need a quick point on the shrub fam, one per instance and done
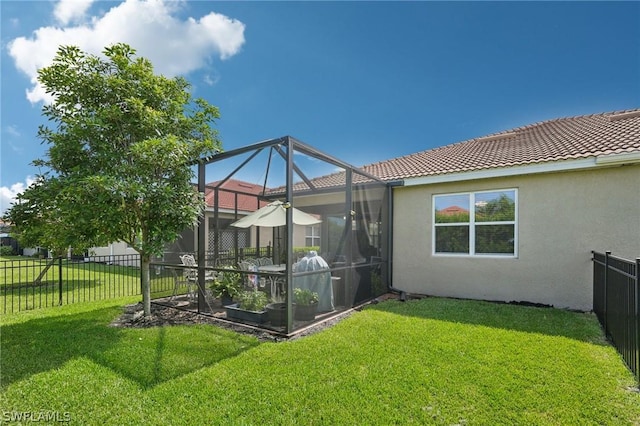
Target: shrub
(304, 296)
(227, 283)
(6, 251)
(253, 300)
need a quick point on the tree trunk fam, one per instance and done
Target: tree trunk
(38, 280)
(145, 285)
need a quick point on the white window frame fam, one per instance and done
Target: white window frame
(472, 225)
(315, 235)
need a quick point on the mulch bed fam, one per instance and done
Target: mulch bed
(132, 316)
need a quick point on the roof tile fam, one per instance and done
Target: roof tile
(553, 140)
(246, 192)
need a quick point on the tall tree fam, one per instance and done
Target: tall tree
(119, 162)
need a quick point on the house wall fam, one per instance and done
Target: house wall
(103, 254)
(29, 251)
(562, 217)
(114, 249)
(266, 234)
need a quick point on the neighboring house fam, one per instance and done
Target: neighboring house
(236, 199)
(114, 253)
(452, 210)
(6, 240)
(514, 216)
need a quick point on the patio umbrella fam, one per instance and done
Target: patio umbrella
(275, 214)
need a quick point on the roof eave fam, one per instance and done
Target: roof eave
(529, 169)
(618, 158)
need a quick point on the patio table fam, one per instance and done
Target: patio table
(273, 279)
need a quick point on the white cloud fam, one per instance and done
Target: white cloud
(13, 131)
(211, 79)
(8, 194)
(13, 135)
(67, 11)
(174, 46)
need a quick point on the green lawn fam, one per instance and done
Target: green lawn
(430, 361)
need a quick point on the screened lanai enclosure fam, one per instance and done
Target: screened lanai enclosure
(282, 221)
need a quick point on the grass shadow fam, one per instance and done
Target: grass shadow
(150, 356)
(147, 356)
(44, 344)
(529, 319)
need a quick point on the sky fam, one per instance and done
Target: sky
(361, 81)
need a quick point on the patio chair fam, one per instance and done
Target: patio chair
(264, 261)
(191, 274)
(183, 281)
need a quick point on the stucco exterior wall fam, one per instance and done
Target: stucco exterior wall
(561, 218)
(266, 234)
(115, 249)
(113, 254)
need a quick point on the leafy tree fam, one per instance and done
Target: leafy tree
(452, 239)
(495, 239)
(462, 217)
(498, 209)
(118, 163)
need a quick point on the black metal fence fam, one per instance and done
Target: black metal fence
(30, 283)
(616, 303)
(227, 257)
(232, 257)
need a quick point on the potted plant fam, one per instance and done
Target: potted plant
(226, 285)
(277, 309)
(250, 307)
(277, 313)
(306, 303)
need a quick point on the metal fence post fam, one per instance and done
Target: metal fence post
(202, 235)
(637, 309)
(605, 290)
(60, 280)
(140, 276)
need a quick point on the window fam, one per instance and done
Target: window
(476, 223)
(312, 236)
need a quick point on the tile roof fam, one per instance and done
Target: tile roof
(547, 141)
(247, 200)
(334, 180)
(553, 140)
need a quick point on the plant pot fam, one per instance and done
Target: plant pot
(277, 314)
(236, 313)
(226, 300)
(305, 312)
